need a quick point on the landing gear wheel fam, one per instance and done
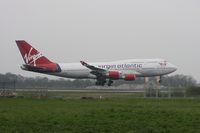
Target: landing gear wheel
(160, 80)
(110, 82)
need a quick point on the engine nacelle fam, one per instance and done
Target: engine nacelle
(129, 77)
(113, 74)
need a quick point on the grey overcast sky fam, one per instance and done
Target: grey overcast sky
(102, 30)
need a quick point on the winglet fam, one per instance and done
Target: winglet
(83, 63)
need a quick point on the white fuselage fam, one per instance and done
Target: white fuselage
(139, 67)
(103, 72)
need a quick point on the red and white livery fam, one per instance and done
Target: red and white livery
(103, 72)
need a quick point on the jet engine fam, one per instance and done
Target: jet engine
(113, 74)
(129, 77)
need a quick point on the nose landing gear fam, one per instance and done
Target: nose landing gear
(159, 80)
(152, 86)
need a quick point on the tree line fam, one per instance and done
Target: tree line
(10, 80)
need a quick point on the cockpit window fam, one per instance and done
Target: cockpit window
(163, 63)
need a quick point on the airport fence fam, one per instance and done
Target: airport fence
(8, 89)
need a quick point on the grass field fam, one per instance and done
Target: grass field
(117, 113)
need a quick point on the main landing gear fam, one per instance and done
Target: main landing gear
(102, 82)
(110, 82)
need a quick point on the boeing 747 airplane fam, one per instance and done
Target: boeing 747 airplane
(103, 72)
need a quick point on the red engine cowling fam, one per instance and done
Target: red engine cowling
(113, 74)
(129, 77)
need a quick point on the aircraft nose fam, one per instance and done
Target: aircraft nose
(174, 67)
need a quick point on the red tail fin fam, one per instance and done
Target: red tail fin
(34, 60)
(30, 55)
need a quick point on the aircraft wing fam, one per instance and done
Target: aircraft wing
(101, 72)
(92, 67)
(95, 70)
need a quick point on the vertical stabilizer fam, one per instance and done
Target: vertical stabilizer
(34, 60)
